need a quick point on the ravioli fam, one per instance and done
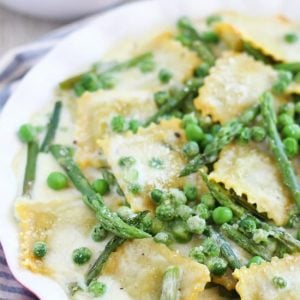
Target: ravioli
(255, 283)
(234, 84)
(250, 171)
(264, 33)
(139, 266)
(64, 225)
(94, 112)
(158, 161)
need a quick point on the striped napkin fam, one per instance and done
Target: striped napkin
(13, 67)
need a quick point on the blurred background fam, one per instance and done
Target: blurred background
(22, 22)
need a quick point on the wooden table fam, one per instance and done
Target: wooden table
(17, 29)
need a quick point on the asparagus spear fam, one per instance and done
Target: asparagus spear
(29, 177)
(109, 220)
(226, 135)
(70, 82)
(258, 55)
(171, 284)
(186, 91)
(110, 247)
(52, 127)
(292, 67)
(248, 244)
(226, 249)
(285, 166)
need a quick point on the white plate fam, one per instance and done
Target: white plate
(72, 55)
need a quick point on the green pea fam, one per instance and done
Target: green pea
(184, 39)
(134, 188)
(157, 225)
(194, 133)
(222, 215)
(118, 124)
(100, 186)
(183, 211)
(215, 129)
(217, 265)
(176, 197)
(57, 181)
(196, 224)
(197, 254)
(284, 79)
(202, 70)
(288, 108)
(210, 247)
(90, 82)
(191, 149)
(40, 249)
(291, 37)
(258, 133)
(183, 22)
(213, 19)
(194, 83)
(190, 191)
(98, 233)
(284, 119)
(164, 76)
(27, 133)
(156, 195)
(163, 238)
(245, 135)
(134, 125)
(279, 282)
(202, 211)
(107, 81)
(126, 161)
(161, 98)
(255, 260)
(248, 224)
(147, 66)
(189, 119)
(165, 212)
(208, 200)
(205, 122)
(97, 288)
(78, 89)
(180, 232)
(125, 213)
(207, 139)
(292, 131)
(81, 255)
(290, 146)
(210, 37)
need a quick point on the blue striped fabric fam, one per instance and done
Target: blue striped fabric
(10, 75)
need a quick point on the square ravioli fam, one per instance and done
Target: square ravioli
(250, 171)
(264, 33)
(167, 54)
(154, 160)
(256, 282)
(234, 84)
(94, 112)
(139, 266)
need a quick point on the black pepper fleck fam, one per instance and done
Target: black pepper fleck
(177, 134)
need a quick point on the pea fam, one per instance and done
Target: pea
(288, 108)
(40, 249)
(180, 232)
(81, 255)
(163, 238)
(161, 98)
(217, 265)
(215, 129)
(292, 131)
(279, 282)
(107, 81)
(208, 200)
(245, 135)
(197, 254)
(134, 188)
(291, 147)
(165, 212)
(191, 149)
(134, 125)
(284, 119)
(100, 186)
(257, 260)
(213, 19)
(291, 37)
(196, 224)
(157, 225)
(156, 196)
(118, 124)
(210, 37)
(27, 133)
(222, 215)
(147, 66)
(190, 192)
(189, 119)
(202, 211)
(248, 224)
(207, 139)
(210, 247)
(164, 76)
(194, 83)
(184, 211)
(194, 133)
(57, 181)
(97, 288)
(98, 233)
(202, 70)
(258, 133)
